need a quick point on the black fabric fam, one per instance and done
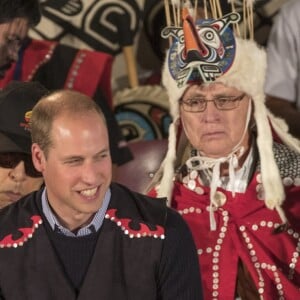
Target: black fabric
(178, 262)
(74, 253)
(121, 267)
(53, 74)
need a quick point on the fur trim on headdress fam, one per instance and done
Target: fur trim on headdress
(246, 74)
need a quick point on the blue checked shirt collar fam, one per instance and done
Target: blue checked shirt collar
(93, 226)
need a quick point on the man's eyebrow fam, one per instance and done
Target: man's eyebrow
(79, 156)
(102, 151)
(72, 156)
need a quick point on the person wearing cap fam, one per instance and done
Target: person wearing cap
(56, 66)
(38, 60)
(232, 170)
(16, 16)
(18, 176)
(81, 236)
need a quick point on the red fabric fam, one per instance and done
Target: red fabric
(34, 54)
(93, 69)
(143, 231)
(27, 232)
(94, 65)
(248, 236)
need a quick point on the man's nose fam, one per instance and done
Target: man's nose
(18, 172)
(89, 173)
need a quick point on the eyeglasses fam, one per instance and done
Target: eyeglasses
(12, 159)
(199, 104)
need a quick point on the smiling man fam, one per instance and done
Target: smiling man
(91, 238)
(15, 19)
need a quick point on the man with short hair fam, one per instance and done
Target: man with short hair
(16, 16)
(18, 176)
(89, 238)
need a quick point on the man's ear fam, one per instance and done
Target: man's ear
(38, 157)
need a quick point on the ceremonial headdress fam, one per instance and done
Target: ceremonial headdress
(207, 50)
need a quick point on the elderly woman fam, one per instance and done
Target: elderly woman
(231, 169)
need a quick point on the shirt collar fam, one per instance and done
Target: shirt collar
(93, 226)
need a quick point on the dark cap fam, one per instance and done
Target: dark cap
(12, 9)
(16, 102)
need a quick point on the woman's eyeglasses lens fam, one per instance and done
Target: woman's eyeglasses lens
(198, 104)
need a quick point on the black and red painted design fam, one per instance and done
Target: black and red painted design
(27, 233)
(143, 231)
(103, 25)
(143, 113)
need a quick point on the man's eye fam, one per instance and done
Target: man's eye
(73, 161)
(101, 155)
